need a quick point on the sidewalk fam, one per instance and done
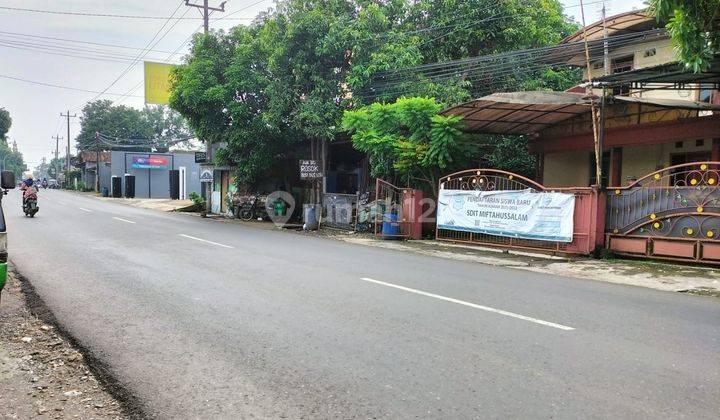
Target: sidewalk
(161, 204)
(658, 275)
(41, 374)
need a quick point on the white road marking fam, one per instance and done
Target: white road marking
(61, 202)
(472, 305)
(123, 220)
(83, 209)
(206, 241)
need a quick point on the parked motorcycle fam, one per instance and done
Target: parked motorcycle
(252, 207)
(30, 199)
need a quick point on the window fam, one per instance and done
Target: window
(678, 145)
(622, 64)
(699, 143)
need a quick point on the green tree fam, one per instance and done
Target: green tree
(5, 124)
(122, 122)
(408, 139)
(694, 27)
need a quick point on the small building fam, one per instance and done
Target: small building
(152, 172)
(87, 163)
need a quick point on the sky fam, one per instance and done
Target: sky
(35, 109)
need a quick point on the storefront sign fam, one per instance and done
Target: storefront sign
(527, 214)
(310, 170)
(150, 162)
(206, 175)
(200, 157)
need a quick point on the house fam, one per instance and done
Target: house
(656, 140)
(661, 121)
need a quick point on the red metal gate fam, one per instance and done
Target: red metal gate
(398, 206)
(673, 213)
(587, 223)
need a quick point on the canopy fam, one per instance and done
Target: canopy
(669, 73)
(531, 112)
(519, 112)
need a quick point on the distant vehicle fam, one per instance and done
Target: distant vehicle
(7, 182)
(52, 183)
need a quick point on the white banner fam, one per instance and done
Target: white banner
(526, 214)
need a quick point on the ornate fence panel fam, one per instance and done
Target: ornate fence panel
(673, 213)
(587, 222)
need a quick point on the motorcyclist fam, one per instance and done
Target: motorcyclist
(27, 185)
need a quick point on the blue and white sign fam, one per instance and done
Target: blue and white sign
(527, 214)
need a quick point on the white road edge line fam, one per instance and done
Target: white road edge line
(206, 241)
(123, 220)
(83, 209)
(472, 305)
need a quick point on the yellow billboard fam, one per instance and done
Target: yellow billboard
(157, 83)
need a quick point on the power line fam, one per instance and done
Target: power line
(104, 15)
(34, 82)
(50, 38)
(140, 55)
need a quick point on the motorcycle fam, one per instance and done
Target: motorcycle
(30, 206)
(251, 207)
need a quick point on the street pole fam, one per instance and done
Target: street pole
(67, 159)
(57, 155)
(97, 162)
(206, 9)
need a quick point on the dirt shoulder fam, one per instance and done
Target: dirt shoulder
(42, 375)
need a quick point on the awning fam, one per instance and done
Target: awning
(519, 112)
(670, 73)
(669, 103)
(527, 113)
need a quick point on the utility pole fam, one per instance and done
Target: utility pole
(97, 162)
(206, 12)
(606, 49)
(67, 159)
(57, 157)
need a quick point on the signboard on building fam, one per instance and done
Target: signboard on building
(526, 214)
(151, 162)
(157, 83)
(310, 170)
(206, 175)
(200, 157)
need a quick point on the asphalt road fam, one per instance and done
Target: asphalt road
(273, 324)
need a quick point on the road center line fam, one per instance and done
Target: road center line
(206, 241)
(83, 209)
(61, 202)
(123, 220)
(472, 305)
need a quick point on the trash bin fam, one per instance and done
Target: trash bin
(310, 219)
(390, 226)
(104, 191)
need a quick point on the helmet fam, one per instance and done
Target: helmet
(28, 175)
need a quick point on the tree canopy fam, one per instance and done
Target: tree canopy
(409, 140)
(119, 121)
(5, 124)
(286, 79)
(694, 27)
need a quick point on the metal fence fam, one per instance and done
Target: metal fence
(587, 222)
(672, 213)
